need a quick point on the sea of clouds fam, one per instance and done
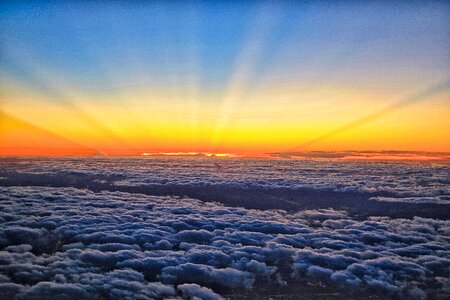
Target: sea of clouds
(396, 182)
(67, 243)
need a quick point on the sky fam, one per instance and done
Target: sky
(127, 77)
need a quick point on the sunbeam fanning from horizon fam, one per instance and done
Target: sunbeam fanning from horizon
(247, 59)
(205, 77)
(51, 87)
(415, 98)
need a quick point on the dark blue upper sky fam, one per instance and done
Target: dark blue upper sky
(103, 45)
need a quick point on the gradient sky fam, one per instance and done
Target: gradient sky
(131, 77)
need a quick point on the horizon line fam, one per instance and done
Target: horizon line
(336, 155)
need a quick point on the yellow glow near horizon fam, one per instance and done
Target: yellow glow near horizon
(287, 119)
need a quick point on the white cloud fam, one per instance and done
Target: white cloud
(66, 241)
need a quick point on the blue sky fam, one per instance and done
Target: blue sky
(90, 42)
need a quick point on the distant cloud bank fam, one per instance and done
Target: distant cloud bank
(387, 179)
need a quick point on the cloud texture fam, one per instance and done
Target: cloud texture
(395, 180)
(65, 243)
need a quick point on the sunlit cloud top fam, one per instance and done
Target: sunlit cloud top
(249, 77)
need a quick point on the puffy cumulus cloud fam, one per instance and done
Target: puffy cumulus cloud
(66, 243)
(51, 290)
(195, 236)
(442, 199)
(19, 248)
(194, 291)
(206, 275)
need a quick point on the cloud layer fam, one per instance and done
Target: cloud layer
(397, 180)
(69, 243)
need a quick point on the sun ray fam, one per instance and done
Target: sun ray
(248, 58)
(415, 98)
(61, 92)
(39, 141)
